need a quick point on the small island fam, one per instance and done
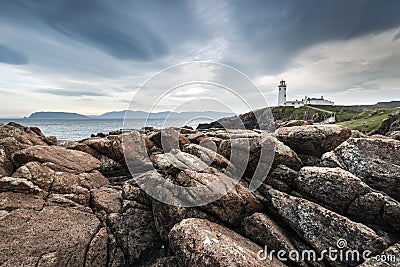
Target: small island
(57, 115)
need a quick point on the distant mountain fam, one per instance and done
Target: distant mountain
(57, 115)
(121, 114)
(205, 114)
(391, 104)
(130, 114)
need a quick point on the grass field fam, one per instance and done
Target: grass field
(369, 120)
(343, 113)
(362, 118)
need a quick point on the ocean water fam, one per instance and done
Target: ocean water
(67, 129)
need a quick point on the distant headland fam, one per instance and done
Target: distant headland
(130, 114)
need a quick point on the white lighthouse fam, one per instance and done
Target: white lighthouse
(282, 93)
(299, 103)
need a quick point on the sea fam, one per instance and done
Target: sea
(77, 129)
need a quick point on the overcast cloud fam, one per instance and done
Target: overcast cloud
(90, 56)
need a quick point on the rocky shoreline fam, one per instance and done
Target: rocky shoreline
(75, 203)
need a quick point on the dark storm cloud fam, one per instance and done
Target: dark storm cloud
(11, 56)
(261, 35)
(277, 30)
(96, 23)
(76, 38)
(62, 92)
(84, 48)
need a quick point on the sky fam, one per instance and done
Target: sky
(94, 56)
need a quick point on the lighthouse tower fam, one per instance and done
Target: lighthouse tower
(282, 93)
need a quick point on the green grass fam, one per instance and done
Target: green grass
(291, 113)
(362, 118)
(367, 121)
(343, 113)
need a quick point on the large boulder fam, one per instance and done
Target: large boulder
(166, 216)
(286, 156)
(110, 146)
(57, 158)
(14, 137)
(198, 242)
(176, 161)
(313, 140)
(260, 152)
(46, 178)
(50, 235)
(36, 172)
(389, 124)
(12, 184)
(195, 137)
(97, 252)
(20, 200)
(282, 178)
(224, 134)
(375, 208)
(294, 123)
(342, 192)
(107, 198)
(189, 171)
(45, 217)
(209, 156)
(232, 207)
(170, 261)
(333, 188)
(322, 228)
(263, 230)
(107, 164)
(6, 167)
(135, 152)
(358, 134)
(394, 135)
(135, 233)
(131, 191)
(390, 257)
(375, 161)
(168, 139)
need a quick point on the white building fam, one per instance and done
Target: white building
(299, 103)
